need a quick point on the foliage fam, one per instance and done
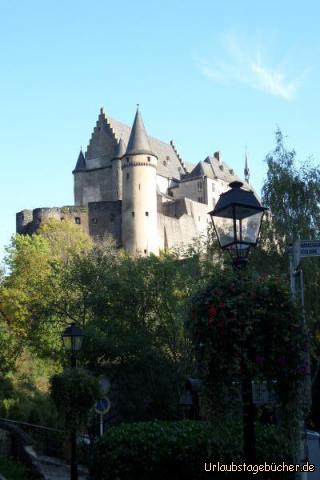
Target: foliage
(24, 392)
(135, 328)
(33, 299)
(175, 450)
(247, 327)
(12, 470)
(132, 309)
(292, 192)
(74, 393)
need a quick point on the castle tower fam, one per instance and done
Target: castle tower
(139, 193)
(78, 179)
(116, 163)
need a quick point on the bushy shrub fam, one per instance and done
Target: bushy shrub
(74, 392)
(177, 450)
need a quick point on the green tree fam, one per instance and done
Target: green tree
(292, 193)
(33, 300)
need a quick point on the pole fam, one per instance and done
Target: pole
(249, 436)
(297, 290)
(73, 436)
(101, 424)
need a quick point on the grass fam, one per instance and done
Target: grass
(12, 470)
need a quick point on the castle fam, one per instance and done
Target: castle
(137, 189)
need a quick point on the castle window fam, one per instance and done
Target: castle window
(200, 199)
(149, 159)
(132, 213)
(147, 214)
(127, 159)
(94, 220)
(164, 162)
(168, 158)
(77, 220)
(128, 176)
(145, 251)
(199, 186)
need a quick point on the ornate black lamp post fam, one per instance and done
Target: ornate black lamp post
(72, 340)
(237, 219)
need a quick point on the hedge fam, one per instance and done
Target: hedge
(179, 450)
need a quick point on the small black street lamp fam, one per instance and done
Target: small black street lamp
(72, 341)
(237, 219)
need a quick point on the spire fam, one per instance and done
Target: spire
(138, 141)
(120, 149)
(246, 169)
(81, 162)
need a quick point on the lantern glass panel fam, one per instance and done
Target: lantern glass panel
(251, 228)
(67, 342)
(77, 343)
(224, 229)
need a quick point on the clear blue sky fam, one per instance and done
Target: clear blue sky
(211, 75)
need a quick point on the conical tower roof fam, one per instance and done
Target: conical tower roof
(138, 142)
(81, 162)
(120, 149)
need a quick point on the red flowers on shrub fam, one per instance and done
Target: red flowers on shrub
(212, 313)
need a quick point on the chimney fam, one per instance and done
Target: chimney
(217, 155)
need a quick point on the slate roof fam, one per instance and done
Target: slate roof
(213, 168)
(138, 140)
(169, 163)
(81, 162)
(120, 149)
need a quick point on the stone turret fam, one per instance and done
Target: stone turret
(116, 163)
(80, 168)
(139, 197)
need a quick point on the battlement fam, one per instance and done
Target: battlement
(29, 221)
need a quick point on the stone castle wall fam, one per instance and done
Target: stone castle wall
(105, 219)
(29, 221)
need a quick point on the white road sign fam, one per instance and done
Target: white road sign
(308, 248)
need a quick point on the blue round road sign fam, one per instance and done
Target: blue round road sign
(103, 406)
